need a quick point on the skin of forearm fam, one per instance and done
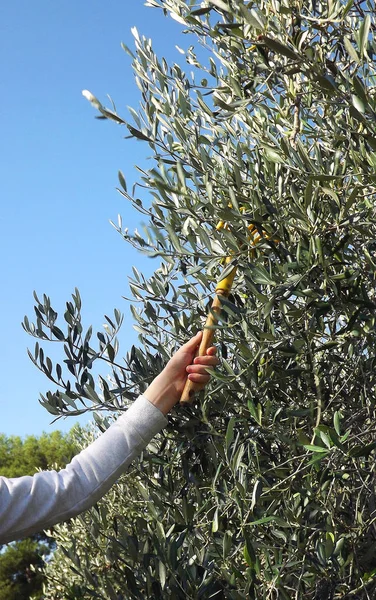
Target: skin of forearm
(162, 394)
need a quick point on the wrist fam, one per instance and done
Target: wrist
(162, 395)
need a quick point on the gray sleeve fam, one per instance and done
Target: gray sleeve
(30, 504)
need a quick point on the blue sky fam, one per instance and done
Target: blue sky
(58, 174)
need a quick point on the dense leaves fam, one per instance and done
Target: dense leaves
(265, 489)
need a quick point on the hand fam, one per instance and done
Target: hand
(166, 389)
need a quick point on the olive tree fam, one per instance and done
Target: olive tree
(264, 488)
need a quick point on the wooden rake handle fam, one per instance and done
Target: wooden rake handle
(192, 388)
(222, 291)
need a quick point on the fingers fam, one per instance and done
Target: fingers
(199, 378)
(197, 372)
(201, 362)
(199, 367)
(210, 360)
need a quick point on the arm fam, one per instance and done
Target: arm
(30, 504)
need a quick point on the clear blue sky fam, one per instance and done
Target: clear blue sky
(58, 173)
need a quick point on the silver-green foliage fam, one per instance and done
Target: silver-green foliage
(265, 489)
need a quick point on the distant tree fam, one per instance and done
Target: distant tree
(26, 456)
(21, 565)
(264, 489)
(22, 562)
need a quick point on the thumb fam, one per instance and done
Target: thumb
(192, 344)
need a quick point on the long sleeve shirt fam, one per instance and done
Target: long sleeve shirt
(31, 503)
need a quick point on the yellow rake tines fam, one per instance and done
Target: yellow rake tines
(222, 290)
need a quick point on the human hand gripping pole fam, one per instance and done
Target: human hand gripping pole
(166, 389)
